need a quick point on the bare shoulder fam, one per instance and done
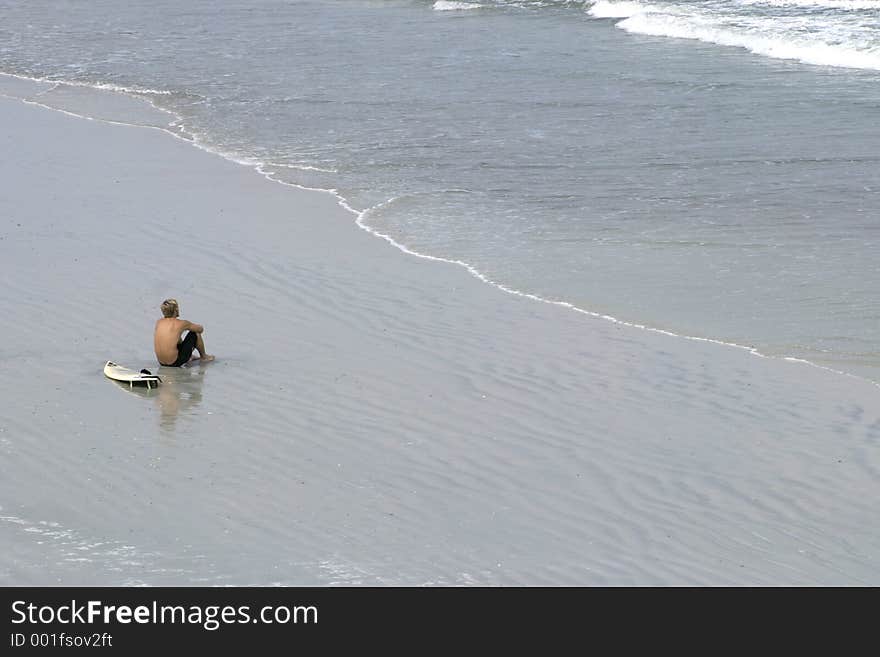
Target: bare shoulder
(172, 323)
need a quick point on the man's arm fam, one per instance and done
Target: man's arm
(192, 326)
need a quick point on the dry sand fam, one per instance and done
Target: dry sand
(372, 418)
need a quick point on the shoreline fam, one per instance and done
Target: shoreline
(141, 95)
(383, 420)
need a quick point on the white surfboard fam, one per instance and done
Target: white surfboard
(120, 373)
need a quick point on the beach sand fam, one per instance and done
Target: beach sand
(372, 418)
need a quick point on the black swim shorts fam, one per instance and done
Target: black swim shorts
(185, 349)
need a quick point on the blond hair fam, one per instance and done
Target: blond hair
(170, 308)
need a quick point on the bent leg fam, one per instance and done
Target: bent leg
(200, 347)
(185, 349)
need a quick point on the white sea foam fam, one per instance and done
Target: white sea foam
(843, 5)
(448, 5)
(127, 90)
(606, 9)
(829, 42)
(770, 45)
(300, 167)
(103, 86)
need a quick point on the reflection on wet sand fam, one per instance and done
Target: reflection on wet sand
(178, 395)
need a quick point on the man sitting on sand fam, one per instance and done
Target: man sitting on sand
(170, 349)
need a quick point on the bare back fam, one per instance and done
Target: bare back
(166, 337)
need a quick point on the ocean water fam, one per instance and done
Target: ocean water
(708, 168)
